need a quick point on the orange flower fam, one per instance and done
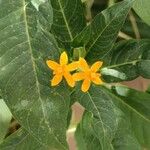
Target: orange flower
(62, 70)
(88, 74)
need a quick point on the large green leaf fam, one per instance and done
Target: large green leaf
(132, 117)
(68, 20)
(100, 104)
(100, 35)
(21, 140)
(5, 118)
(121, 62)
(136, 106)
(142, 9)
(123, 139)
(85, 134)
(25, 45)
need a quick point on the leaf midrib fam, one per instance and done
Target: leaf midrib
(98, 115)
(122, 64)
(34, 71)
(128, 106)
(65, 20)
(104, 29)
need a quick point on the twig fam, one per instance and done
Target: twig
(134, 25)
(111, 2)
(124, 36)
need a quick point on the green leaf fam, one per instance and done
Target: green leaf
(5, 118)
(136, 106)
(85, 134)
(143, 65)
(68, 20)
(121, 62)
(21, 140)
(25, 45)
(148, 90)
(100, 104)
(142, 9)
(123, 139)
(100, 35)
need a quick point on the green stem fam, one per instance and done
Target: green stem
(134, 25)
(111, 2)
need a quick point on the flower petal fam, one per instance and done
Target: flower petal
(69, 79)
(97, 81)
(85, 85)
(79, 76)
(73, 66)
(52, 64)
(56, 80)
(64, 58)
(83, 64)
(95, 67)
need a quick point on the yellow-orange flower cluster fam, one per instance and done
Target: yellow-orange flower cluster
(85, 73)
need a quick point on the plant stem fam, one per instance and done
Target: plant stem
(124, 36)
(111, 2)
(134, 25)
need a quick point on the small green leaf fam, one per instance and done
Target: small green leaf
(100, 35)
(5, 118)
(142, 9)
(79, 52)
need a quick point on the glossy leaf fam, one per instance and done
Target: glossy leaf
(25, 45)
(68, 20)
(142, 9)
(5, 118)
(100, 35)
(21, 140)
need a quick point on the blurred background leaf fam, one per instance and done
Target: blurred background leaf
(144, 29)
(22, 140)
(5, 118)
(142, 9)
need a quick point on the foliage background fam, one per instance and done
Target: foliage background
(29, 35)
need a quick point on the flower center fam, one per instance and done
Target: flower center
(60, 70)
(93, 75)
